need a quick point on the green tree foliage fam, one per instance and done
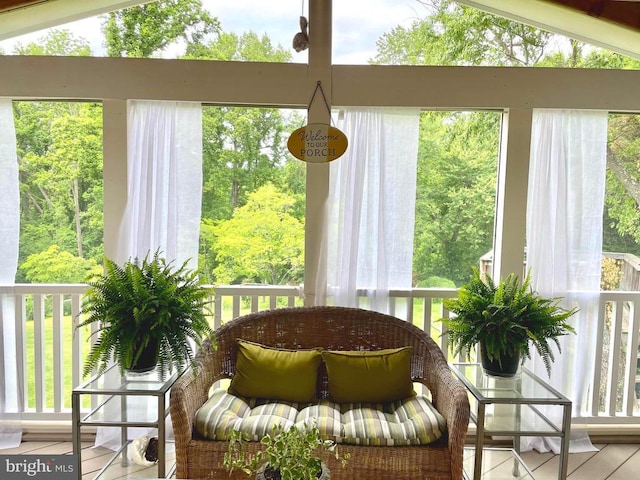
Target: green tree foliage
(58, 266)
(580, 55)
(453, 34)
(230, 47)
(56, 43)
(457, 167)
(262, 242)
(623, 178)
(456, 177)
(60, 163)
(151, 28)
(61, 180)
(243, 148)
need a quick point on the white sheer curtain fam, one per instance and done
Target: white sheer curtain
(164, 158)
(165, 181)
(371, 206)
(10, 392)
(564, 243)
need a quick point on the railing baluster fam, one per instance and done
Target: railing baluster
(58, 361)
(392, 306)
(614, 358)
(236, 307)
(217, 312)
(77, 353)
(597, 366)
(419, 305)
(631, 365)
(21, 349)
(38, 350)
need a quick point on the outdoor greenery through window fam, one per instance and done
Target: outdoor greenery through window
(185, 29)
(253, 205)
(409, 32)
(444, 32)
(253, 199)
(621, 247)
(60, 163)
(59, 148)
(456, 190)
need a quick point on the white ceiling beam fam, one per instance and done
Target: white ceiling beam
(565, 21)
(33, 18)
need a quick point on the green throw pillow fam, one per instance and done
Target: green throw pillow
(369, 376)
(274, 373)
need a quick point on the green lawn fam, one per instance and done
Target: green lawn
(48, 359)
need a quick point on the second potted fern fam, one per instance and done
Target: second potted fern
(505, 319)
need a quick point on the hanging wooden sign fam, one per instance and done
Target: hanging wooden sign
(317, 143)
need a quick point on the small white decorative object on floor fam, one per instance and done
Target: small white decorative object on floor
(141, 453)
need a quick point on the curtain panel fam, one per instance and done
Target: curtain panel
(371, 206)
(164, 198)
(164, 158)
(564, 244)
(10, 393)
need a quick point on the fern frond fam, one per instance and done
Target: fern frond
(507, 317)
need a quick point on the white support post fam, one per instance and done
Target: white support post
(511, 197)
(114, 141)
(315, 284)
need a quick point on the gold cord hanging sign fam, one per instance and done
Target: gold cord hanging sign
(317, 142)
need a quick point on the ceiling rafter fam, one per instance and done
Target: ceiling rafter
(622, 12)
(7, 5)
(572, 19)
(18, 17)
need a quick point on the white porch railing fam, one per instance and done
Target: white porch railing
(50, 350)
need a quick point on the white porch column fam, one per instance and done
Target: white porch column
(511, 196)
(114, 117)
(315, 277)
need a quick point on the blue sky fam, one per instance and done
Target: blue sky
(357, 24)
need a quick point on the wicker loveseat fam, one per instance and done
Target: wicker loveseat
(335, 328)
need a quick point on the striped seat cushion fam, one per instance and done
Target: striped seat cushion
(411, 421)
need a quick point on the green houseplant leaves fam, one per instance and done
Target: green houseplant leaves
(146, 303)
(506, 317)
(289, 454)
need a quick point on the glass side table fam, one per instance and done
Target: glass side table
(522, 406)
(497, 464)
(132, 400)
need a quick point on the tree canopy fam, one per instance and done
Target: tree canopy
(254, 191)
(453, 34)
(263, 242)
(149, 29)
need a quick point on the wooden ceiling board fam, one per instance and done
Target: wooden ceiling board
(625, 13)
(575, 21)
(6, 5)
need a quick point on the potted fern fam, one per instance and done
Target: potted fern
(147, 314)
(289, 454)
(505, 319)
